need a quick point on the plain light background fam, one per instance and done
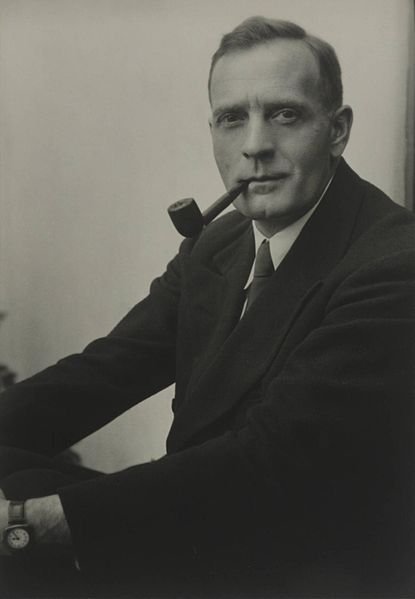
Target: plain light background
(103, 114)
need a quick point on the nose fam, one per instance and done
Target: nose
(258, 143)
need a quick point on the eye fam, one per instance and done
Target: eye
(286, 116)
(230, 119)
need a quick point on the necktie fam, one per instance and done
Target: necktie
(263, 269)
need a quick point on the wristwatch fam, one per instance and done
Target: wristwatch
(18, 535)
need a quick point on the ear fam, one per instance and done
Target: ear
(341, 124)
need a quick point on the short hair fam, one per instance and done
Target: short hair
(259, 30)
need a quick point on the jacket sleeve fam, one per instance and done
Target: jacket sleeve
(66, 402)
(327, 455)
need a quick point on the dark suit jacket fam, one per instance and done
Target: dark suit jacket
(290, 459)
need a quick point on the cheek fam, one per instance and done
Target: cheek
(309, 155)
(309, 140)
(225, 154)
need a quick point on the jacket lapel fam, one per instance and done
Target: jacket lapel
(237, 361)
(213, 286)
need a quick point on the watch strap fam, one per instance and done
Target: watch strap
(17, 512)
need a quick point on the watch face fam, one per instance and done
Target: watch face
(18, 538)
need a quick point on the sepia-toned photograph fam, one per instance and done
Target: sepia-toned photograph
(207, 299)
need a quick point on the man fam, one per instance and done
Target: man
(290, 458)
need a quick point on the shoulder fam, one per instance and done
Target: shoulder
(372, 218)
(383, 226)
(381, 252)
(377, 206)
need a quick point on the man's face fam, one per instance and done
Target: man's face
(269, 127)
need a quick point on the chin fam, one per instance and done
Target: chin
(261, 207)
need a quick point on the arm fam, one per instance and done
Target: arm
(323, 462)
(61, 405)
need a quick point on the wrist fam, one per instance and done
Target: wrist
(46, 517)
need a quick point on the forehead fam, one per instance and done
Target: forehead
(278, 69)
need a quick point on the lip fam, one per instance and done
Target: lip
(264, 184)
(263, 178)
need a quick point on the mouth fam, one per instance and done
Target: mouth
(264, 184)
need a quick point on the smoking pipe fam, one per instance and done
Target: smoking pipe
(189, 220)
